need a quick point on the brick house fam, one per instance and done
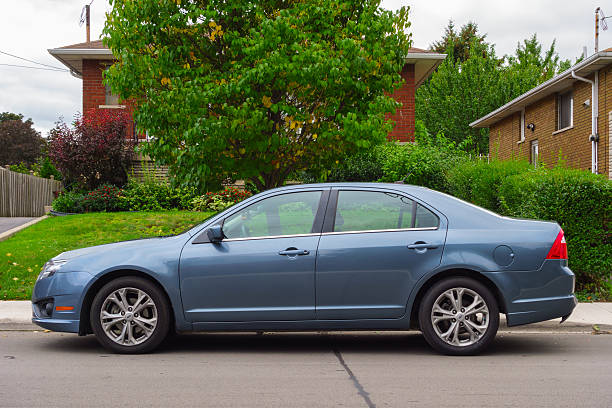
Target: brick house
(568, 117)
(88, 60)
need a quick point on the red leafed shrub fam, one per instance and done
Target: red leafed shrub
(95, 151)
(19, 142)
(104, 198)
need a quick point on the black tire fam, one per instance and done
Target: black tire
(427, 326)
(162, 307)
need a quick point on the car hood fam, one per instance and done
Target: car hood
(101, 249)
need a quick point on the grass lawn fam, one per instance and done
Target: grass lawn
(23, 255)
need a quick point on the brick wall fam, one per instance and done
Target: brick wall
(572, 144)
(94, 94)
(403, 131)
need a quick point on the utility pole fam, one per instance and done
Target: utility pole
(596, 28)
(87, 25)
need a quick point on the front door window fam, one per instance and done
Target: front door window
(286, 214)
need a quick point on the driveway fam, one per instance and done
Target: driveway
(8, 223)
(346, 369)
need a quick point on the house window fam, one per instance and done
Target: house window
(111, 99)
(534, 153)
(565, 108)
(522, 126)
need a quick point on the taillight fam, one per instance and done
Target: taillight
(559, 248)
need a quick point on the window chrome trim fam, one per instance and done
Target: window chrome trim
(312, 234)
(382, 230)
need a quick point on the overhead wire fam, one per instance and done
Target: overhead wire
(31, 61)
(45, 69)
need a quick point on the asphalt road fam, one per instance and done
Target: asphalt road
(306, 370)
(7, 223)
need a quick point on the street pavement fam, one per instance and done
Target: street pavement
(8, 223)
(348, 369)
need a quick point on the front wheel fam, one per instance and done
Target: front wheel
(130, 315)
(459, 316)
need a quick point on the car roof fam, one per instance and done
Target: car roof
(394, 186)
(462, 213)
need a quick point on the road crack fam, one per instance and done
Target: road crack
(364, 394)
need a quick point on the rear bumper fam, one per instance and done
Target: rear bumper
(535, 296)
(543, 309)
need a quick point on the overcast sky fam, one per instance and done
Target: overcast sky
(29, 27)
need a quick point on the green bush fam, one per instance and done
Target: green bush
(219, 201)
(360, 167)
(423, 163)
(69, 202)
(46, 169)
(479, 182)
(581, 203)
(155, 196)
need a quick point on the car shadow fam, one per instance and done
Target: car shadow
(411, 343)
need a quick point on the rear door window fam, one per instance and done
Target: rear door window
(374, 210)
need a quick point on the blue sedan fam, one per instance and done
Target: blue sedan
(339, 256)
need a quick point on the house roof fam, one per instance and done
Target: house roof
(72, 56)
(556, 84)
(425, 62)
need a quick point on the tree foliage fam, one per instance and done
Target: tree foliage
(95, 151)
(459, 42)
(465, 89)
(20, 142)
(256, 90)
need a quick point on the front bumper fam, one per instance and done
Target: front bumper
(535, 296)
(63, 289)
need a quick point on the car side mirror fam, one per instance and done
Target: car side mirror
(215, 234)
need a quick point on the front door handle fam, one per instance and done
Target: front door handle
(422, 245)
(294, 252)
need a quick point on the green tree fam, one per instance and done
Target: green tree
(533, 65)
(256, 89)
(460, 92)
(4, 116)
(459, 42)
(465, 89)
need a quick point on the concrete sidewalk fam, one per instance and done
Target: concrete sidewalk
(585, 315)
(9, 226)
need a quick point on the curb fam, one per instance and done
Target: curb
(13, 231)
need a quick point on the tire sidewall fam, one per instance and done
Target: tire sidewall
(427, 327)
(163, 315)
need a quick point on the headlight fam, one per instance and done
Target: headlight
(50, 268)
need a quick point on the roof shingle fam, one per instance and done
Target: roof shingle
(93, 45)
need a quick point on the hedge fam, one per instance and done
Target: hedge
(579, 201)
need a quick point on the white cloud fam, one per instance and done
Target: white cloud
(571, 23)
(29, 27)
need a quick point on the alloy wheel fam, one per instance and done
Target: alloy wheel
(128, 316)
(460, 316)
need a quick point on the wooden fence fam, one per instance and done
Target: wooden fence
(24, 195)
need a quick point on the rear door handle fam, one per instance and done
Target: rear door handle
(294, 252)
(422, 245)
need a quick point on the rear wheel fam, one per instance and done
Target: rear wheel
(130, 315)
(459, 316)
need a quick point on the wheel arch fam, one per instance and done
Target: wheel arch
(85, 323)
(454, 272)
